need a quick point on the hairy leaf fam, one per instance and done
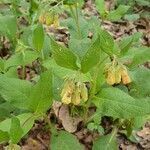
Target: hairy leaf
(41, 97)
(92, 57)
(141, 84)
(141, 57)
(100, 5)
(115, 15)
(26, 123)
(21, 59)
(4, 136)
(15, 91)
(63, 56)
(106, 42)
(38, 38)
(107, 142)
(15, 130)
(8, 26)
(65, 140)
(116, 103)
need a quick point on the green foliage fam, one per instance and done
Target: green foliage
(100, 5)
(17, 96)
(65, 140)
(8, 26)
(40, 100)
(15, 130)
(92, 56)
(107, 142)
(115, 15)
(38, 37)
(4, 136)
(142, 56)
(63, 56)
(21, 58)
(141, 87)
(116, 103)
(84, 69)
(106, 42)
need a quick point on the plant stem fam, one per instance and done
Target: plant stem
(93, 89)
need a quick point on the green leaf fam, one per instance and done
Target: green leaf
(15, 130)
(73, 2)
(41, 97)
(125, 44)
(79, 46)
(15, 91)
(38, 38)
(26, 122)
(143, 2)
(128, 41)
(21, 59)
(65, 141)
(100, 5)
(4, 113)
(63, 56)
(141, 57)
(107, 142)
(92, 57)
(106, 42)
(141, 84)
(132, 17)
(59, 71)
(116, 15)
(4, 136)
(2, 65)
(8, 26)
(116, 103)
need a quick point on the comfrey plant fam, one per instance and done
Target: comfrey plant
(89, 71)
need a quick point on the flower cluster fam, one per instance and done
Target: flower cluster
(74, 92)
(116, 73)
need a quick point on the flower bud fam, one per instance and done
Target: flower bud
(110, 79)
(42, 19)
(125, 77)
(117, 75)
(76, 95)
(67, 91)
(84, 92)
(66, 99)
(49, 19)
(56, 21)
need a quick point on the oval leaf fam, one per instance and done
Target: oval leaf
(65, 141)
(92, 57)
(38, 38)
(63, 56)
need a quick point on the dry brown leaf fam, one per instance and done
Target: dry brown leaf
(69, 123)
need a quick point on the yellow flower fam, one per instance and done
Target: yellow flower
(76, 99)
(67, 91)
(124, 75)
(56, 21)
(110, 74)
(49, 19)
(84, 92)
(117, 75)
(42, 19)
(73, 92)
